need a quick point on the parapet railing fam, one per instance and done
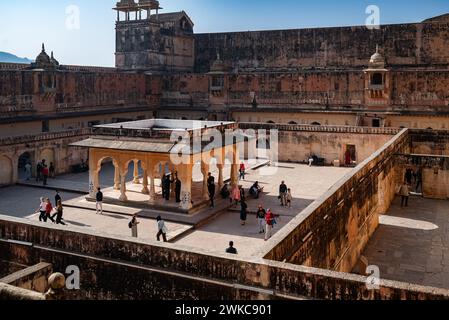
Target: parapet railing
(89, 69)
(45, 136)
(13, 66)
(8, 292)
(317, 128)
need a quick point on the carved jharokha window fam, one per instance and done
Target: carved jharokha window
(377, 79)
(217, 82)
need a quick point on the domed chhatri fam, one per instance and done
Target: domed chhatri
(43, 61)
(53, 60)
(377, 60)
(43, 57)
(218, 66)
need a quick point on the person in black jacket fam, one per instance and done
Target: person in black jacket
(211, 189)
(283, 192)
(99, 198)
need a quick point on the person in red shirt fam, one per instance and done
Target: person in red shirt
(242, 171)
(45, 173)
(270, 220)
(48, 210)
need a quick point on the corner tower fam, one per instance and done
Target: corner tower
(150, 41)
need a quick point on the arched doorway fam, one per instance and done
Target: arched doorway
(6, 171)
(106, 174)
(26, 166)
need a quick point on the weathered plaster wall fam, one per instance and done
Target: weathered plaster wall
(31, 93)
(298, 142)
(54, 147)
(403, 44)
(148, 46)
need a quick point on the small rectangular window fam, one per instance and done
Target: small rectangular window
(45, 126)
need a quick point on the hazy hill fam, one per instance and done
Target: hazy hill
(10, 58)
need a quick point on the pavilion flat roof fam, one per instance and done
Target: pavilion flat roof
(128, 145)
(165, 125)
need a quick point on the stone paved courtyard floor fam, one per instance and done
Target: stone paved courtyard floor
(412, 244)
(307, 184)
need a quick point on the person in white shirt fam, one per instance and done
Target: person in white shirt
(28, 171)
(42, 210)
(162, 229)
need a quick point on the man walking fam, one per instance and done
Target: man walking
(162, 229)
(99, 204)
(211, 189)
(58, 197)
(405, 194)
(283, 190)
(260, 214)
(42, 210)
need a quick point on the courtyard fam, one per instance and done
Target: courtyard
(208, 229)
(412, 244)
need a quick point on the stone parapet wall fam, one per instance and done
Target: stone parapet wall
(7, 141)
(333, 231)
(311, 128)
(175, 272)
(33, 278)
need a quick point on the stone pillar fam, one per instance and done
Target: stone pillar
(136, 172)
(235, 167)
(185, 175)
(220, 176)
(15, 172)
(205, 171)
(116, 177)
(234, 175)
(153, 188)
(123, 173)
(93, 175)
(145, 182)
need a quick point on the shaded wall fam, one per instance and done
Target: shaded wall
(333, 231)
(429, 142)
(435, 173)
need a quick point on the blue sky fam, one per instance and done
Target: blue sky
(25, 24)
